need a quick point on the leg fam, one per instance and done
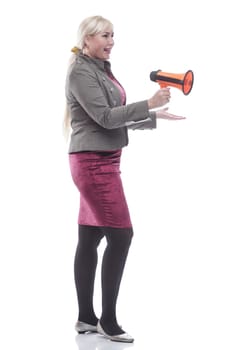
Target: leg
(114, 258)
(84, 271)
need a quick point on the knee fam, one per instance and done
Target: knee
(119, 237)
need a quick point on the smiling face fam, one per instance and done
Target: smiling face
(99, 45)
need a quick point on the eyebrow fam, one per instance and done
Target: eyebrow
(105, 32)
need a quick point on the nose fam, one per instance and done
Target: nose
(111, 40)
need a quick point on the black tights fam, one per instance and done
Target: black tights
(114, 258)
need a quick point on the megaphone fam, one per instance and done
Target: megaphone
(183, 82)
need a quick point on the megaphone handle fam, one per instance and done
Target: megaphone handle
(162, 85)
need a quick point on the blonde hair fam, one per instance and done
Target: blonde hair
(89, 26)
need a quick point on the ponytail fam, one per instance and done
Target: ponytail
(66, 120)
(66, 123)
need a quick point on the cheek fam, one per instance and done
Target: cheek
(95, 46)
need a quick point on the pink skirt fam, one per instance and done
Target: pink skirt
(102, 198)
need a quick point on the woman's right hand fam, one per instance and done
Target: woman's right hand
(160, 98)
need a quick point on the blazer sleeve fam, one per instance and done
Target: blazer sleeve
(86, 89)
(149, 123)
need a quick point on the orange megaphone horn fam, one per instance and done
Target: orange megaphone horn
(183, 82)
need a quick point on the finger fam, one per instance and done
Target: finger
(179, 117)
(173, 116)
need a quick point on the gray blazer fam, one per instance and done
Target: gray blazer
(99, 121)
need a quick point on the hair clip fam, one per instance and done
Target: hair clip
(75, 50)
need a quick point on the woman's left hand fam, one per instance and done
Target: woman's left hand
(163, 114)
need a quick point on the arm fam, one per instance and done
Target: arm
(98, 102)
(149, 123)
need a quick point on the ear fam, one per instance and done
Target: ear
(87, 40)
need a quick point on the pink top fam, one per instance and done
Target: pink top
(121, 89)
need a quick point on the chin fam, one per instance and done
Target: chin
(106, 55)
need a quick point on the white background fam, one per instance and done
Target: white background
(178, 179)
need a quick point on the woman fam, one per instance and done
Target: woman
(100, 118)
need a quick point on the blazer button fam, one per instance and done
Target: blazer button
(114, 102)
(111, 89)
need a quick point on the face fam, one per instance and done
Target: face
(100, 45)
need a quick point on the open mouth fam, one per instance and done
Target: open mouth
(108, 51)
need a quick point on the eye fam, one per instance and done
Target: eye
(107, 35)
